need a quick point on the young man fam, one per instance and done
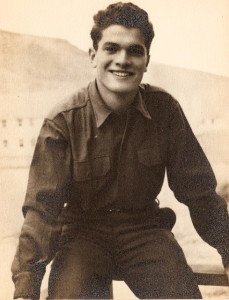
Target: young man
(97, 169)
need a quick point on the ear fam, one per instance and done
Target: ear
(92, 54)
(147, 62)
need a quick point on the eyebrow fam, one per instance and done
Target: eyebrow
(138, 46)
(111, 44)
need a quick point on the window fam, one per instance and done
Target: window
(19, 122)
(3, 123)
(21, 143)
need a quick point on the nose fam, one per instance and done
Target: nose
(122, 59)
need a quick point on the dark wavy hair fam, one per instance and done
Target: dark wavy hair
(126, 14)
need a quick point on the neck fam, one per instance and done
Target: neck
(116, 102)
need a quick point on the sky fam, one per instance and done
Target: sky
(189, 33)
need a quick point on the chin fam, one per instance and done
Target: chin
(123, 88)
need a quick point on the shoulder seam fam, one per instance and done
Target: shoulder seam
(66, 110)
(154, 89)
(62, 107)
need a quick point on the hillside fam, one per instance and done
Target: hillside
(38, 62)
(38, 72)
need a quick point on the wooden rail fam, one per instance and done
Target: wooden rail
(205, 275)
(210, 275)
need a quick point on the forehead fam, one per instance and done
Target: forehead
(122, 35)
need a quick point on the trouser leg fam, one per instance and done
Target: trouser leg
(150, 260)
(81, 270)
(153, 266)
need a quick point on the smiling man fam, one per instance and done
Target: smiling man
(99, 164)
(121, 58)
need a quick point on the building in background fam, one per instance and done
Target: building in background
(18, 139)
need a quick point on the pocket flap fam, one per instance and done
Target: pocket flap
(93, 168)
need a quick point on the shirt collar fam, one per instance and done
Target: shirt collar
(140, 105)
(102, 112)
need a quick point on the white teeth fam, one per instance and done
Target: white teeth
(121, 74)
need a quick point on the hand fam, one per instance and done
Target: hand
(226, 270)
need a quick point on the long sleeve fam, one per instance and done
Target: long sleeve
(46, 194)
(192, 180)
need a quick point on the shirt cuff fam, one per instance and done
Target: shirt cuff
(27, 285)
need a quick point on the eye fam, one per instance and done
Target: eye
(136, 50)
(111, 49)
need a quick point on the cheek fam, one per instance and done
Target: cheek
(140, 65)
(141, 68)
(103, 62)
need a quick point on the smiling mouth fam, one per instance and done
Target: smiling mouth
(122, 74)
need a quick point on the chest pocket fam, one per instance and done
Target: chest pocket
(151, 169)
(89, 178)
(91, 169)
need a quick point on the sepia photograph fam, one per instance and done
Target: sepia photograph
(114, 149)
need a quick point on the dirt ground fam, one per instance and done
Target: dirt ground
(12, 190)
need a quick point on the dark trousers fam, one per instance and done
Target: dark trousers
(97, 250)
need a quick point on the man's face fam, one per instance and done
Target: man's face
(121, 59)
